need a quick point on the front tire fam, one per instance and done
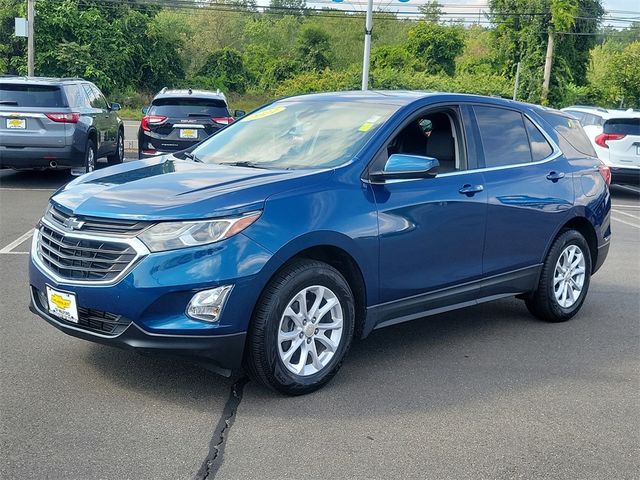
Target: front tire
(301, 329)
(118, 155)
(564, 280)
(90, 157)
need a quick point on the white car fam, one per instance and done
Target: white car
(615, 135)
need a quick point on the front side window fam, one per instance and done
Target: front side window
(503, 135)
(296, 134)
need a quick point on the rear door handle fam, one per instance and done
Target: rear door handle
(471, 190)
(555, 176)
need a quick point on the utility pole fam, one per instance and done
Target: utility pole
(517, 82)
(30, 51)
(547, 69)
(367, 45)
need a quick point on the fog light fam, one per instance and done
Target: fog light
(207, 304)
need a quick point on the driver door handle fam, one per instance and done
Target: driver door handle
(555, 176)
(471, 190)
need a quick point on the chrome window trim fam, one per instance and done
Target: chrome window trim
(555, 153)
(139, 247)
(24, 115)
(188, 125)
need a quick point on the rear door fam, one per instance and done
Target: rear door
(623, 140)
(184, 121)
(530, 189)
(26, 112)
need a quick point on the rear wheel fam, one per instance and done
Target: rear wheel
(302, 328)
(90, 157)
(118, 155)
(564, 280)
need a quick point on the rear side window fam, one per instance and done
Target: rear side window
(75, 96)
(189, 107)
(569, 131)
(503, 135)
(540, 148)
(624, 126)
(35, 96)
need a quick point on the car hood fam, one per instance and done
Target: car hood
(166, 188)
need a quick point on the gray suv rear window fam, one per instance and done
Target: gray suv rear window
(36, 96)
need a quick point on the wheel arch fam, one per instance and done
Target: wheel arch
(582, 225)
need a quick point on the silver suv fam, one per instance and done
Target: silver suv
(57, 123)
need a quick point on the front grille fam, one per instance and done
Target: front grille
(74, 258)
(98, 225)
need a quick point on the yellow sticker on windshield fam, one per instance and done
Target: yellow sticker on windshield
(264, 113)
(370, 122)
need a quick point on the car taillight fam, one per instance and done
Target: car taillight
(63, 117)
(603, 138)
(222, 120)
(605, 171)
(148, 120)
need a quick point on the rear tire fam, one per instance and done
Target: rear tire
(118, 155)
(564, 280)
(299, 351)
(90, 157)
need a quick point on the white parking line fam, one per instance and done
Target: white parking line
(629, 188)
(8, 249)
(625, 222)
(627, 214)
(12, 189)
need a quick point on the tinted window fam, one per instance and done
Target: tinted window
(624, 126)
(540, 148)
(189, 107)
(75, 96)
(570, 131)
(504, 138)
(100, 101)
(21, 95)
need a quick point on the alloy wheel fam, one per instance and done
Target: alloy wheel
(310, 330)
(568, 276)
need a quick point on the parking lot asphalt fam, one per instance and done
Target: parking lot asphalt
(484, 392)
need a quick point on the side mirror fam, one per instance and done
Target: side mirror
(115, 107)
(400, 166)
(239, 113)
(145, 110)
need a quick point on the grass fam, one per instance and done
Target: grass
(130, 113)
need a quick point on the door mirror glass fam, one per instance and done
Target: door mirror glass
(145, 110)
(407, 166)
(115, 107)
(239, 113)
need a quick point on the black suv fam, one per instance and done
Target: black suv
(178, 119)
(57, 123)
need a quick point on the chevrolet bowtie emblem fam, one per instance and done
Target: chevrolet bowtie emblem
(72, 223)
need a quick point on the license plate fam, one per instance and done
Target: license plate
(62, 305)
(188, 133)
(19, 123)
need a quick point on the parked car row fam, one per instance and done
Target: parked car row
(68, 123)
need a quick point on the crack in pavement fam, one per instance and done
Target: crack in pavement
(212, 462)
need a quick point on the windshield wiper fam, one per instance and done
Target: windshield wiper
(243, 164)
(191, 156)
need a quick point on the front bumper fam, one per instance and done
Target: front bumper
(221, 353)
(625, 175)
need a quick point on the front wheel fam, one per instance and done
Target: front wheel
(302, 328)
(90, 157)
(117, 156)
(564, 280)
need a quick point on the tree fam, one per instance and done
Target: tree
(225, 69)
(431, 11)
(435, 47)
(627, 74)
(289, 7)
(313, 48)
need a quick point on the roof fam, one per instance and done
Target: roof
(171, 93)
(40, 80)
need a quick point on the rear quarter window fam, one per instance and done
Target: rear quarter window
(32, 96)
(623, 126)
(570, 131)
(189, 107)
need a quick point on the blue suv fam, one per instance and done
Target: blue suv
(317, 219)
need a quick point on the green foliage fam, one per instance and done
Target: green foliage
(313, 45)
(626, 66)
(392, 57)
(435, 47)
(223, 69)
(431, 11)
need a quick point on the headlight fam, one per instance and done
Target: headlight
(172, 235)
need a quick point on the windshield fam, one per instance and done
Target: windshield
(296, 135)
